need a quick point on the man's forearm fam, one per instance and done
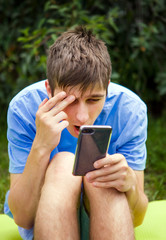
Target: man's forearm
(25, 191)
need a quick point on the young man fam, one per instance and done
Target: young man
(43, 126)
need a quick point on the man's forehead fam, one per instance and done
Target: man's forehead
(96, 91)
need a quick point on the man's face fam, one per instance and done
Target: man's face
(85, 109)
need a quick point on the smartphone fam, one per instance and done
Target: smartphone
(92, 145)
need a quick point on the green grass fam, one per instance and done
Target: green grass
(155, 173)
(4, 162)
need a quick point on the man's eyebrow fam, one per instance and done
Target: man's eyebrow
(96, 95)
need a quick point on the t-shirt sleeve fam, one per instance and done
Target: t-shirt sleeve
(21, 133)
(132, 127)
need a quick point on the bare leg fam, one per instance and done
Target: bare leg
(110, 216)
(56, 216)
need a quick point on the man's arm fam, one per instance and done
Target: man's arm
(137, 199)
(26, 187)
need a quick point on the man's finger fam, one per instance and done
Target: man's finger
(60, 117)
(53, 101)
(43, 102)
(62, 105)
(108, 160)
(63, 124)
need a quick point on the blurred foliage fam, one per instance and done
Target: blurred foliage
(134, 32)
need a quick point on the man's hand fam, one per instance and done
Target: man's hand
(112, 171)
(51, 120)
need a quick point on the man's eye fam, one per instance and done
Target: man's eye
(75, 102)
(93, 100)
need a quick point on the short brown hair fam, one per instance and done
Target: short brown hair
(78, 58)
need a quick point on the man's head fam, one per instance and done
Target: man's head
(78, 58)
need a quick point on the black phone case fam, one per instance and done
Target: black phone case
(92, 145)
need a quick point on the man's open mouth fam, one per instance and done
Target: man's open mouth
(77, 127)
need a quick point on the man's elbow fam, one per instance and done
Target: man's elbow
(21, 215)
(140, 214)
(21, 218)
(22, 222)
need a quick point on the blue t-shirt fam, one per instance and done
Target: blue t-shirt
(123, 110)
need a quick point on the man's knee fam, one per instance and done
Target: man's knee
(61, 165)
(59, 176)
(62, 160)
(101, 196)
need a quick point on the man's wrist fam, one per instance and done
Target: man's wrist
(40, 155)
(40, 149)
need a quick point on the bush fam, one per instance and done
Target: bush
(134, 32)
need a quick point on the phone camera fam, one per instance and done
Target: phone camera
(88, 131)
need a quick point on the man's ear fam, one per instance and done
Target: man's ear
(48, 89)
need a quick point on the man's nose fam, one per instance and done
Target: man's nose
(82, 114)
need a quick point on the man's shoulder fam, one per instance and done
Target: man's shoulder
(32, 95)
(26, 103)
(120, 105)
(121, 95)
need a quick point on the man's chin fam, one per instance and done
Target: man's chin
(73, 131)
